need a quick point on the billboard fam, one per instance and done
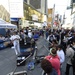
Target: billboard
(16, 8)
(34, 17)
(50, 17)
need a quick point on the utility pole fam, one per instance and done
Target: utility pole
(53, 13)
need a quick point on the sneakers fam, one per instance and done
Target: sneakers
(12, 47)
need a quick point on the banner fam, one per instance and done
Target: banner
(16, 8)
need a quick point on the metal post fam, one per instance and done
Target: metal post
(53, 11)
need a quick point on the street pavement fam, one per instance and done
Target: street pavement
(8, 60)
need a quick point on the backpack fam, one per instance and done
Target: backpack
(73, 58)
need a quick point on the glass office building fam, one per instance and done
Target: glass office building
(29, 12)
(30, 15)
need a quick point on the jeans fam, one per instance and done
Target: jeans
(68, 68)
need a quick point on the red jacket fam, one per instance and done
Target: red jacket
(55, 61)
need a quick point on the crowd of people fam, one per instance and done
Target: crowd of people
(16, 39)
(60, 46)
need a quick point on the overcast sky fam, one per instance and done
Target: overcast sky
(60, 5)
(5, 3)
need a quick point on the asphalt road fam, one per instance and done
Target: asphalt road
(8, 60)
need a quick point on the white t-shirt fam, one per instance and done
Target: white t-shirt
(30, 34)
(15, 38)
(61, 55)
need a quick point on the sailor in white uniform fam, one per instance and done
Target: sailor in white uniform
(15, 40)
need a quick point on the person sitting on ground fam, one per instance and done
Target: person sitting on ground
(47, 67)
(54, 59)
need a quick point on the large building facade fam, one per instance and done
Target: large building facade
(36, 3)
(24, 14)
(4, 14)
(73, 13)
(40, 5)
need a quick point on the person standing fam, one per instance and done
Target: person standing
(69, 55)
(15, 40)
(54, 59)
(61, 54)
(47, 67)
(30, 34)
